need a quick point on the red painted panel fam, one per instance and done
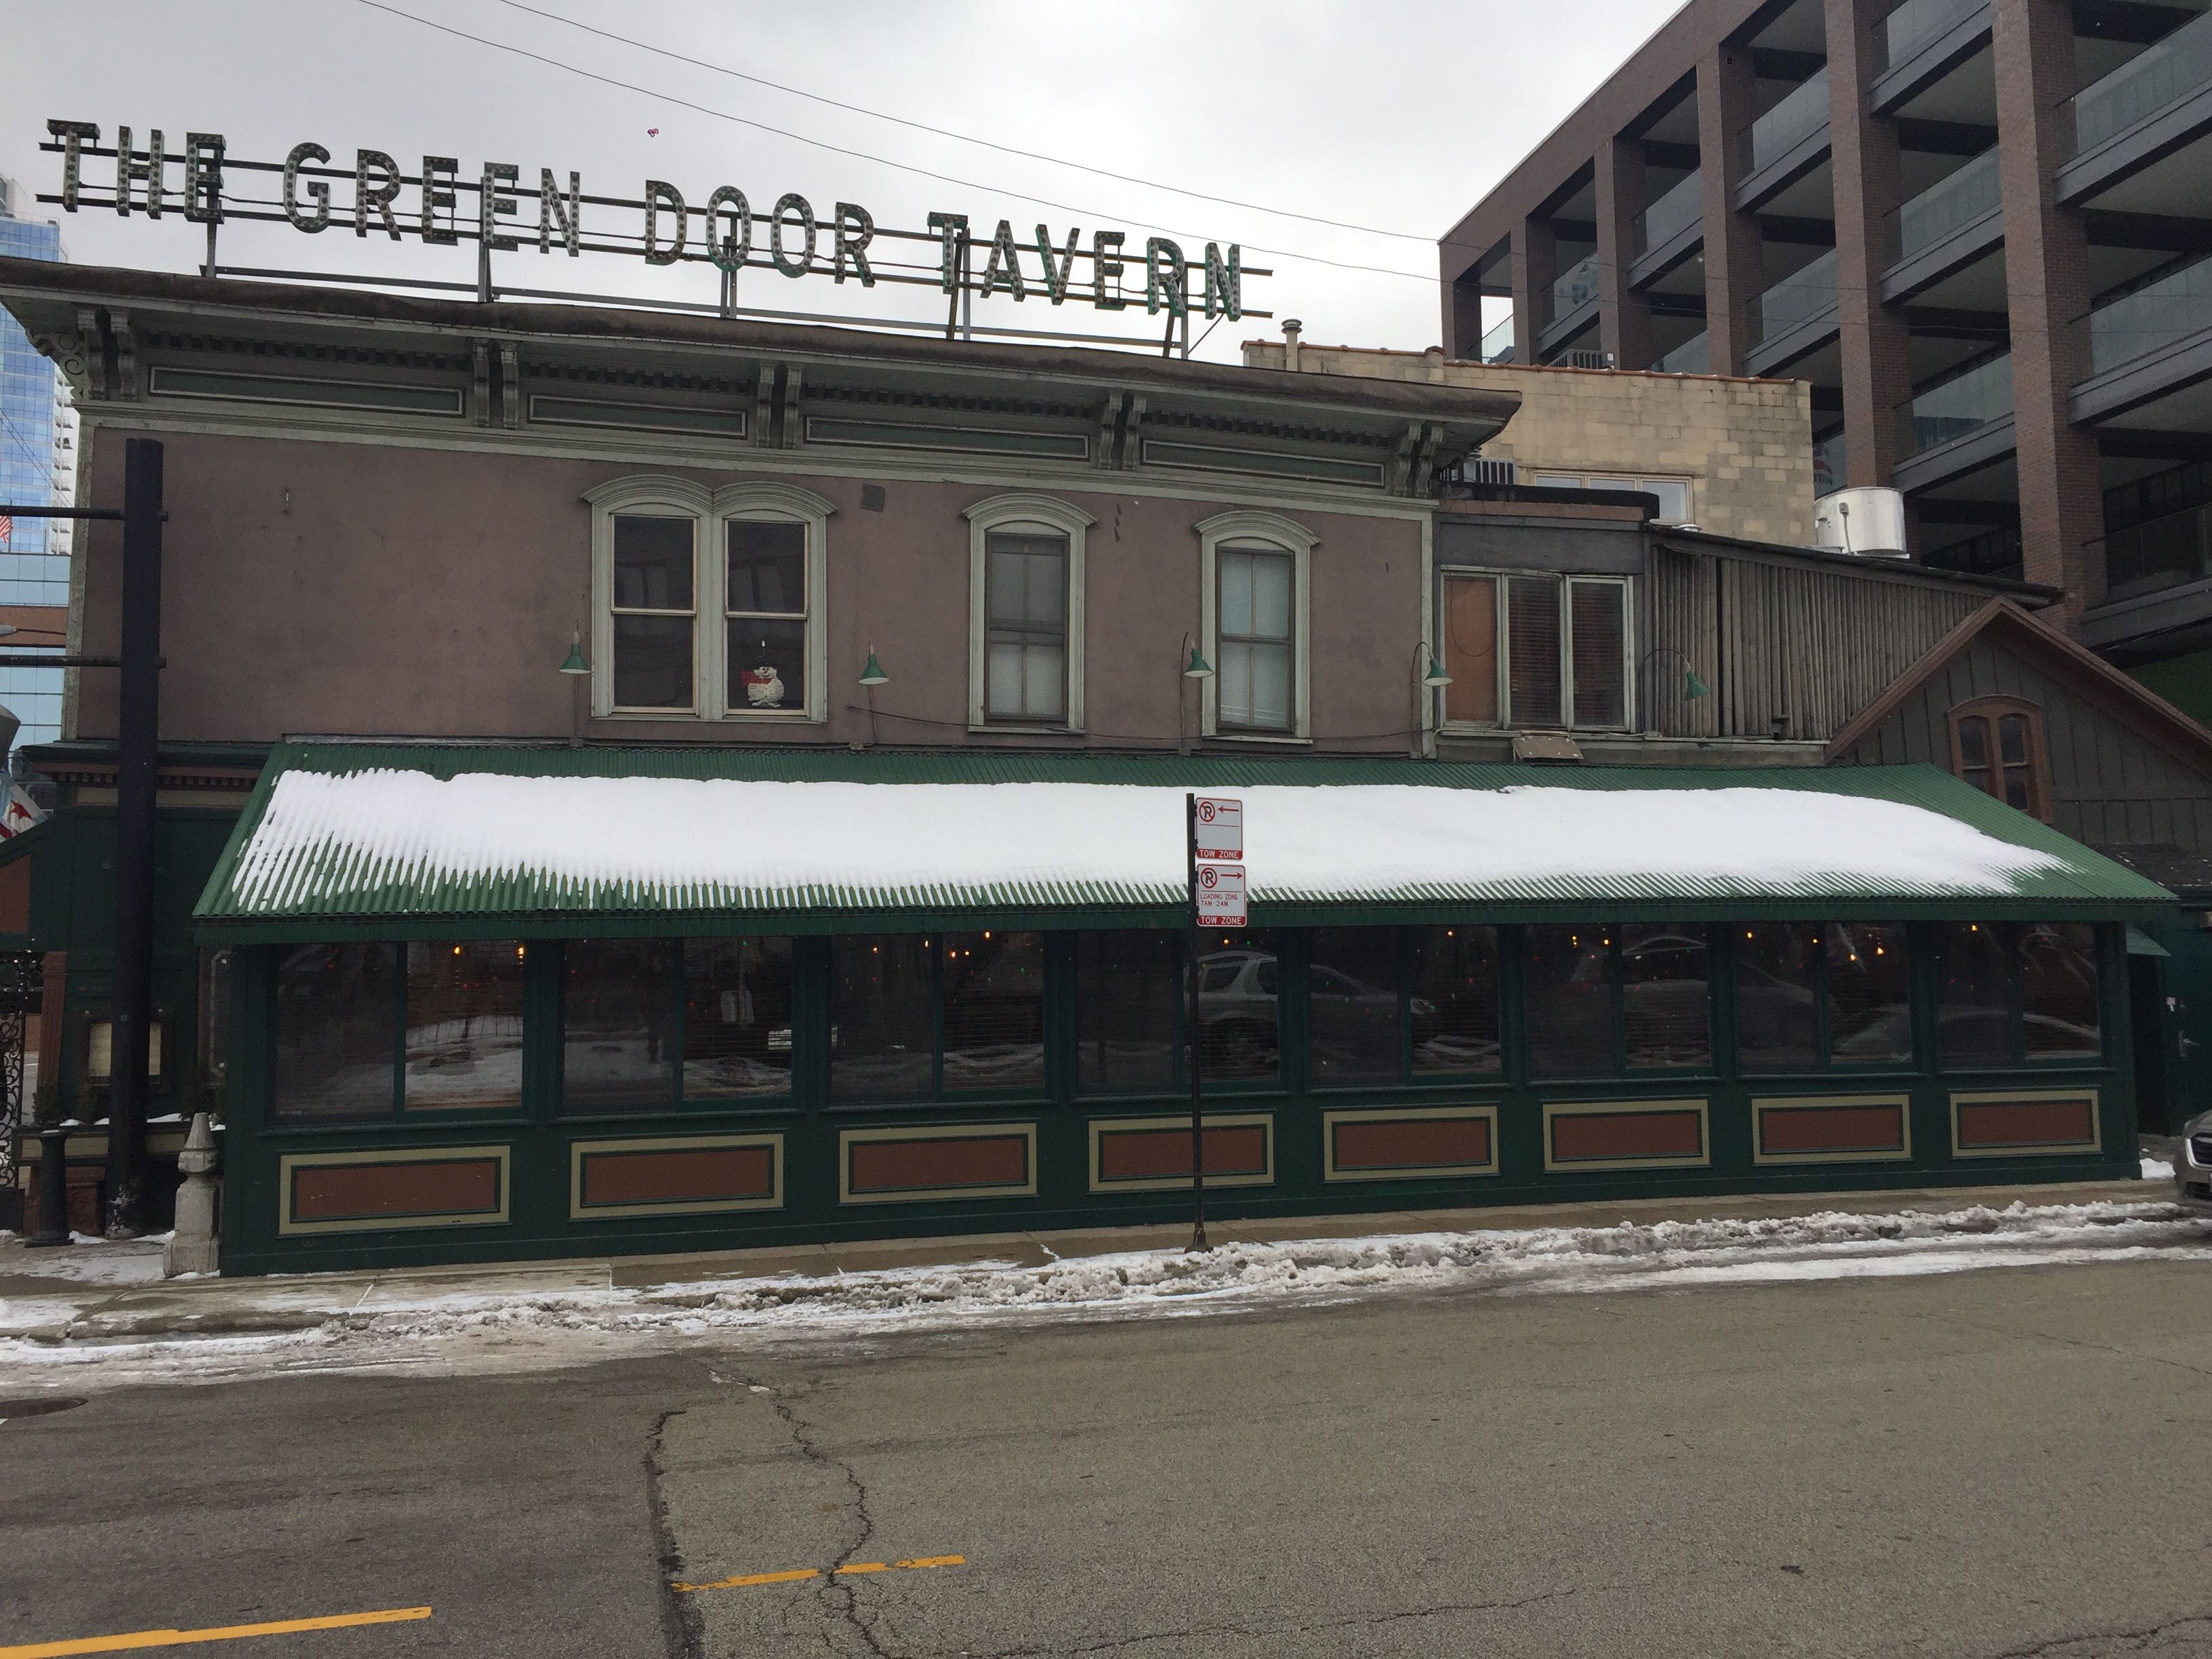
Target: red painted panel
(2028, 1123)
(351, 1192)
(16, 897)
(918, 1165)
(678, 1175)
(1411, 1143)
(1627, 1134)
(1832, 1129)
(1164, 1154)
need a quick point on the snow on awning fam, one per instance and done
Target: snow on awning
(402, 840)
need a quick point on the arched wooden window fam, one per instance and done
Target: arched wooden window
(1997, 745)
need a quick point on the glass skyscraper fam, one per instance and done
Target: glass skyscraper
(38, 466)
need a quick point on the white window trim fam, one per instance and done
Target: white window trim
(652, 494)
(1269, 532)
(1503, 653)
(1022, 512)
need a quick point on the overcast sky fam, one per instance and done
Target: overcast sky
(1393, 115)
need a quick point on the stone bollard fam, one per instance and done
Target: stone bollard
(195, 1247)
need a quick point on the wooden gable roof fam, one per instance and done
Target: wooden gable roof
(2072, 665)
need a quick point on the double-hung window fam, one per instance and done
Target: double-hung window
(1259, 650)
(708, 604)
(1997, 745)
(1537, 651)
(1025, 613)
(1255, 571)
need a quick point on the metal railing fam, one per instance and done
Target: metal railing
(1798, 297)
(1668, 216)
(1945, 207)
(1803, 111)
(2161, 74)
(1574, 286)
(1914, 24)
(1498, 342)
(1951, 409)
(2154, 316)
(2161, 553)
(1692, 356)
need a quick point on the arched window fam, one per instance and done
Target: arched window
(1997, 745)
(1254, 604)
(708, 604)
(1025, 613)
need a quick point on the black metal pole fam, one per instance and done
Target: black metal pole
(137, 733)
(1197, 1086)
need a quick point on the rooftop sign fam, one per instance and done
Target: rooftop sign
(437, 205)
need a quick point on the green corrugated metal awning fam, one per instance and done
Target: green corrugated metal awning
(350, 840)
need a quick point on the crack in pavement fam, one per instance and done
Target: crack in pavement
(2018, 1333)
(836, 1594)
(2140, 1640)
(683, 1629)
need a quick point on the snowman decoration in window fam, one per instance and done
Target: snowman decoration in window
(763, 686)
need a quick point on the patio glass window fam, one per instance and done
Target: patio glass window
(1388, 1005)
(1604, 1000)
(916, 1017)
(1240, 991)
(648, 1023)
(2011, 994)
(464, 1039)
(1811, 994)
(1129, 1001)
(366, 1030)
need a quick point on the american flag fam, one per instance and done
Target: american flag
(6, 529)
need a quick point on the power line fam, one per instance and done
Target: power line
(967, 138)
(858, 155)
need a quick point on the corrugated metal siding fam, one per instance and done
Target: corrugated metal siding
(1773, 641)
(2108, 785)
(307, 886)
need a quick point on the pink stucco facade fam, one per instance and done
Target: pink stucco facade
(324, 587)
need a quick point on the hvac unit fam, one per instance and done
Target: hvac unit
(1476, 470)
(1866, 523)
(1580, 358)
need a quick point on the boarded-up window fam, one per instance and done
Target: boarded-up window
(1470, 632)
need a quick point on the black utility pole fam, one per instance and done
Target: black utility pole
(1197, 1087)
(138, 736)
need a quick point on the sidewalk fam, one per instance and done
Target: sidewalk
(96, 1292)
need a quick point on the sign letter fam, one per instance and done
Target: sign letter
(438, 172)
(1055, 280)
(728, 251)
(1008, 275)
(490, 204)
(658, 193)
(856, 228)
(1224, 283)
(1103, 265)
(950, 227)
(364, 198)
(73, 134)
(790, 204)
(204, 178)
(127, 169)
(1165, 270)
(551, 209)
(318, 192)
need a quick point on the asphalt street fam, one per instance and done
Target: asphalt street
(2003, 1462)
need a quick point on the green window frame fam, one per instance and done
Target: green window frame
(1766, 1002)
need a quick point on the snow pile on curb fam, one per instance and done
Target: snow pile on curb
(292, 1324)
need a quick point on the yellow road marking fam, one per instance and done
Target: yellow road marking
(172, 1638)
(800, 1576)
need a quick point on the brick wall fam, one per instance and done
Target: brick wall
(1745, 446)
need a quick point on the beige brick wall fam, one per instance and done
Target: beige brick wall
(1745, 447)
